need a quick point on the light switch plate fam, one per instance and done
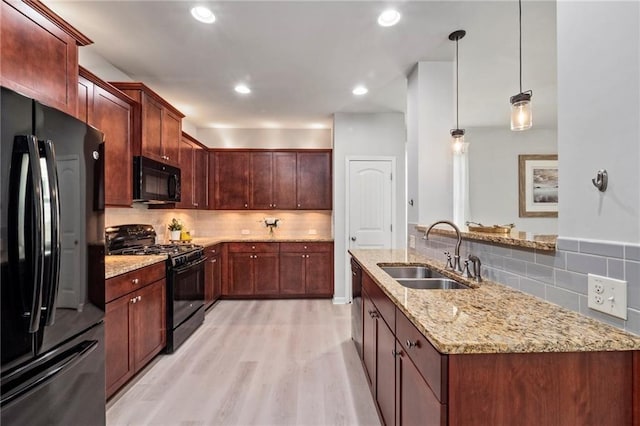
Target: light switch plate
(607, 295)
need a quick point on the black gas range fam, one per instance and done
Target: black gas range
(185, 276)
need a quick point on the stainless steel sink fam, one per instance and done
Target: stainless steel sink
(411, 272)
(433, 284)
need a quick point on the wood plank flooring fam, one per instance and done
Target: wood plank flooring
(267, 362)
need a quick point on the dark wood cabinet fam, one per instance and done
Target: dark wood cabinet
(231, 180)
(253, 269)
(306, 269)
(109, 110)
(213, 275)
(193, 174)
(200, 178)
(135, 332)
(264, 180)
(40, 54)
(157, 124)
(186, 174)
(370, 341)
(314, 181)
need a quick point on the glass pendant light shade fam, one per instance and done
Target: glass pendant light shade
(521, 115)
(458, 145)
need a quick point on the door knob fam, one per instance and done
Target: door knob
(353, 238)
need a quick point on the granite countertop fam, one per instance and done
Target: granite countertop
(490, 318)
(117, 265)
(209, 241)
(515, 238)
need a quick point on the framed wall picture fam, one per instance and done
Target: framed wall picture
(538, 185)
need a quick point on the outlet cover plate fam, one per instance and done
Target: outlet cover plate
(607, 295)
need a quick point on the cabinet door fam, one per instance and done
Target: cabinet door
(200, 180)
(213, 279)
(369, 340)
(186, 175)
(240, 274)
(149, 319)
(386, 372)
(266, 273)
(314, 180)
(292, 273)
(85, 99)
(231, 180)
(284, 180)
(112, 116)
(171, 135)
(151, 128)
(319, 274)
(261, 181)
(117, 331)
(415, 403)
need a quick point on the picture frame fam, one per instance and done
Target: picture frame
(538, 185)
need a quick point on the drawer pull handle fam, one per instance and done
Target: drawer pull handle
(133, 300)
(139, 298)
(135, 281)
(411, 344)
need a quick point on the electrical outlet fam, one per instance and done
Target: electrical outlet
(607, 295)
(313, 232)
(412, 241)
(245, 232)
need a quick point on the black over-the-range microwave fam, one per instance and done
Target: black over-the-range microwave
(155, 182)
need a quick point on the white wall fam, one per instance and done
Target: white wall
(266, 138)
(430, 117)
(599, 119)
(380, 134)
(493, 174)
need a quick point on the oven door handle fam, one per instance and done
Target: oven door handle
(189, 266)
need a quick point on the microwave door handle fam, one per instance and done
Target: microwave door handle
(21, 166)
(172, 188)
(53, 281)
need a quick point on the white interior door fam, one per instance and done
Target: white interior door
(370, 204)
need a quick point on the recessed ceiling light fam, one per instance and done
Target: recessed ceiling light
(242, 88)
(389, 18)
(203, 14)
(360, 90)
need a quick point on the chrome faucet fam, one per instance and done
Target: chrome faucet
(456, 254)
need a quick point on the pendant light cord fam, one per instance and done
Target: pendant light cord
(457, 100)
(520, 39)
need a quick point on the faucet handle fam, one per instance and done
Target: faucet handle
(477, 266)
(465, 270)
(449, 262)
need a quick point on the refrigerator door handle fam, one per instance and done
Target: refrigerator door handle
(54, 279)
(23, 383)
(25, 158)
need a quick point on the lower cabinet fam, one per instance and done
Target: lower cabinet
(306, 269)
(212, 275)
(134, 323)
(414, 384)
(253, 269)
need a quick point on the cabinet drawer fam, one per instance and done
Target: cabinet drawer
(380, 300)
(126, 283)
(306, 247)
(431, 364)
(212, 250)
(253, 247)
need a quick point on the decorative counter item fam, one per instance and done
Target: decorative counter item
(494, 229)
(271, 223)
(175, 227)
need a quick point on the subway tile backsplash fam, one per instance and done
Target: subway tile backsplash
(559, 277)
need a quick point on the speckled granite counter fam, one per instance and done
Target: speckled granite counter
(515, 238)
(117, 265)
(492, 318)
(208, 241)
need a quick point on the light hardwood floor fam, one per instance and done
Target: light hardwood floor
(267, 362)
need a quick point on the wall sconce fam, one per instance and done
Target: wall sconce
(521, 116)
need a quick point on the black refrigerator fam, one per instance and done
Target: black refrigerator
(52, 242)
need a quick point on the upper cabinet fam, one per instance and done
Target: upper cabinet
(266, 179)
(157, 124)
(109, 110)
(193, 170)
(39, 54)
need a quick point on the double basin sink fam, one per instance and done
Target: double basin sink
(422, 278)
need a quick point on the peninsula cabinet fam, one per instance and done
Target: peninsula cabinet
(157, 124)
(413, 383)
(306, 269)
(253, 269)
(135, 331)
(39, 54)
(109, 110)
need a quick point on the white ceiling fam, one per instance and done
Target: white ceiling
(303, 58)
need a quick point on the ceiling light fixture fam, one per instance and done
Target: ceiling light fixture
(521, 117)
(242, 88)
(203, 14)
(457, 135)
(389, 18)
(360, 90)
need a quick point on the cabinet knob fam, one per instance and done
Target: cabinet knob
(270, 205)
(299, 205)
(139, 298)
(133, 300)
(214, 260)
(307, 256)
(253, 247)
(395, 353)
(135, 281)
(246, 205)
(305, 247)
(411, 344)
(195, 204)
(303, 256)
(274, 205)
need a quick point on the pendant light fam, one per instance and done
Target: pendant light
(457, 135)
(521, 118)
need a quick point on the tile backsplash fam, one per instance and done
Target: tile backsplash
(559, 277)
(216, 223)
